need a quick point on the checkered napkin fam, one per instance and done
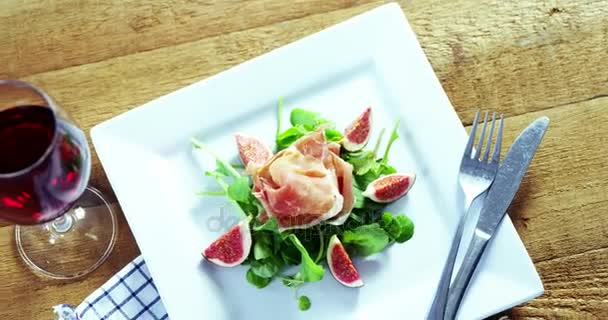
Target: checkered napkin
(130, 294)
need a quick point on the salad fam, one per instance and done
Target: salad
(313, 202)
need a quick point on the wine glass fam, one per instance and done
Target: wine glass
(64, 229)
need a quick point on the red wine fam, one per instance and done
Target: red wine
(44, 164)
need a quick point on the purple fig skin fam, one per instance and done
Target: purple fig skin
(390, 187)
(252, 149)
(346, 274)
(231, 248)
(358, 132)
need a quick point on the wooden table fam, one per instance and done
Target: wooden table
(526, 59)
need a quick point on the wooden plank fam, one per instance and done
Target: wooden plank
(95, 92)
(543, 214)
(98, 91)
(560, 207)
(516, 56)
(521, 56)
(24, 295)
(576, 287)
(42, 35)
(512, 57)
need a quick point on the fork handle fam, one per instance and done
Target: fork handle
(465, 274)
(438, 306)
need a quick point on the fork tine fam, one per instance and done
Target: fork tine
(489, 142)
(467, 150)
(483, 134)
(497, 145)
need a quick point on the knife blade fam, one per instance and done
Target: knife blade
(500, 195)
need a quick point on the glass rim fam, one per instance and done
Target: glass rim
(51, 146)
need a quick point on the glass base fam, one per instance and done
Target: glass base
(72, 245)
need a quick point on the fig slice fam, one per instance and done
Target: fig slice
(340, 264)
(252, 150)
(390, 187)
(357, 133)
(231, 248)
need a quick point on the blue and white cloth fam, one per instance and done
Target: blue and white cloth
(128, 295)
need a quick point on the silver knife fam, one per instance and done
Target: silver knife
(500, 195)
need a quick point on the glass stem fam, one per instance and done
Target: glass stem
(62, 224)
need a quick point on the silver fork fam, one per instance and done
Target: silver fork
(475, 177)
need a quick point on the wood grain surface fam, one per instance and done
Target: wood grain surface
(100, 58)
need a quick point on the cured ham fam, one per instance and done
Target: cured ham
(306, 184)
(344, 175)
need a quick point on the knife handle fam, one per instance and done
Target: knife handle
(465, 274)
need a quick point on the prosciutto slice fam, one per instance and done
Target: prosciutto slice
(305, 184)
(344, 175)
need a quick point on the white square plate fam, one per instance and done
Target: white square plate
(372, 59)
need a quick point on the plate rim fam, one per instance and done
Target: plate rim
(391, 10)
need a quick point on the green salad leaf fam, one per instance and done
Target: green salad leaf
(223, 167)
(240, 190)
(262, 248)
(270, 225)
(304, 117)
(362, 161)
(368, 229)
(359, 198)
(303, 303)
(367, 239)
(289, 136)
(394, 136)
(292, 282)
(256, 280)
(279, 117)
(211, 193)
(333, 135)
(399, 227)
(266, 268)
(309, 270)
(304, 122)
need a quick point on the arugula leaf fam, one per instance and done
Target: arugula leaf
(309, 270)
(321, 245)
(289, 253)
(237, 166)
(303, 117)
(292, 282)
(279, 118)
(372, 174)
(270, 225)
(261, 248)
(333, 135)
(394, 136)
(261, 251)
(378, 168)
(407, 228)
(386, 220)
(266, 268)
(377, 146)
(367, 239)
(362, 161)
(359, 198)
(240, 190)
(223, 166)
(289, 136)
(356, 218)
(256, 280)
(214, 174)
(400, 228)
(388, 169)
(211, 193)
(303, 122)
(303, 303)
